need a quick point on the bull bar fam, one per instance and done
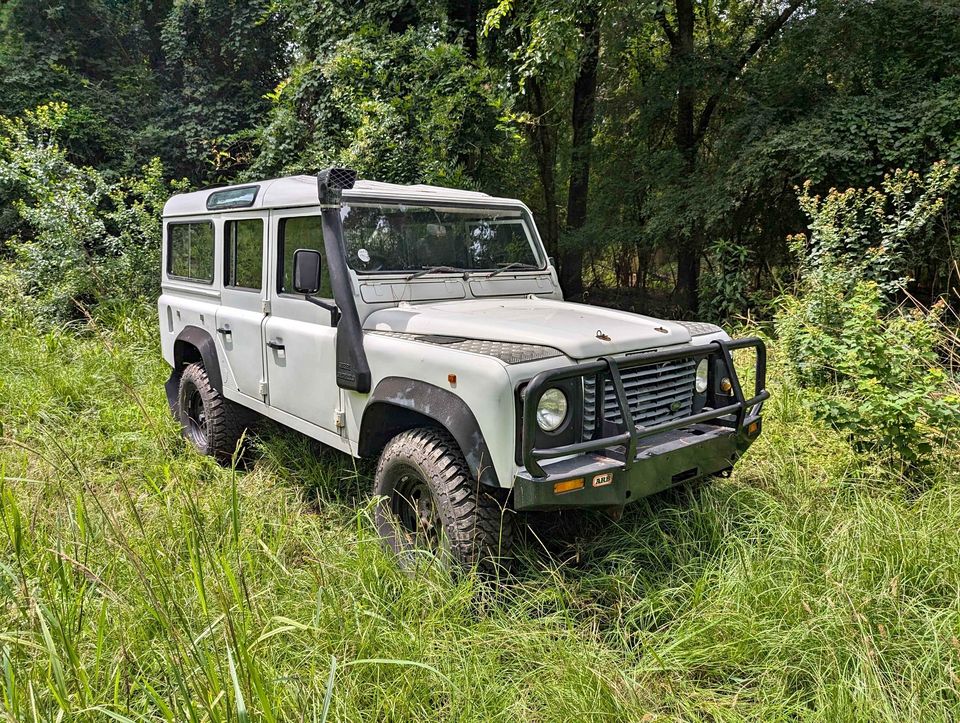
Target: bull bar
(738, 415)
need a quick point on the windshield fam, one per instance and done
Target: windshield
(397, 238)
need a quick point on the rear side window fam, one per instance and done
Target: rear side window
(190, 251)
(301, 232)
(243, 254)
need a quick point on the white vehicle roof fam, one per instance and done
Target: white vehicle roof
(294, 191)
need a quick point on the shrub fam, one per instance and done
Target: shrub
(725, 286)
(872, 372)
(868, 232)
(870, 366)
(83, 239)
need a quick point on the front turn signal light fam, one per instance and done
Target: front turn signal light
(725, 385)
(567, 486)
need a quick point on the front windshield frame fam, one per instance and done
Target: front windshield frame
(523, 216)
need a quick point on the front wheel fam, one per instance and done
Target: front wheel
(431, 503)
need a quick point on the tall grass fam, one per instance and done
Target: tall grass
(140, 581)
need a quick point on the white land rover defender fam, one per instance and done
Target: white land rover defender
(425, 326)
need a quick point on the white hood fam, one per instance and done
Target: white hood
(578, 330)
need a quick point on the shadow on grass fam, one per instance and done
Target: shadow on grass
(321, 474)
(658, 543)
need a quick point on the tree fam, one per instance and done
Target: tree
(552, 53)
(581, 151)
(390, 89)
(691, 127)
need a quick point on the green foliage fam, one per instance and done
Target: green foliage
(725, 287)
(82, 239)
(180, 80)
(873, 369)
(868, 233)
(873, 372)
(480, 95)
(404, 107)
(220, 59)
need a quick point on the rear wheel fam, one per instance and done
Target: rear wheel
(432, 504)
(214, 425)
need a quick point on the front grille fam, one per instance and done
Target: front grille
(655, 393)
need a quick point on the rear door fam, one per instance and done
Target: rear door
(240, 317)
(299, 341)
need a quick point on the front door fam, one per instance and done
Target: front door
(299, 341)
(240, 316)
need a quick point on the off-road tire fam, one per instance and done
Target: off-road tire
(219, 429)
(477, 530)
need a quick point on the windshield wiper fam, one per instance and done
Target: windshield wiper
(514, 265)
(437, 270)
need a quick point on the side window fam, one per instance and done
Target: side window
(243, 254)
(302, 232)
(190, 251)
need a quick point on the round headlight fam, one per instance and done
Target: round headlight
(552, 410)
(703, 369)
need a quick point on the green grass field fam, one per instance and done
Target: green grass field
(140, 581)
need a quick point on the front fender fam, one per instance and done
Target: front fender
(442, 406)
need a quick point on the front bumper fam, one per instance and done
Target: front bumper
(637, 461)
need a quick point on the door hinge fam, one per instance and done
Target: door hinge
(265, 306)
(264, 388)
(340, 419)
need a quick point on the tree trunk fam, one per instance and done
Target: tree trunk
(152, 14)
(463, 16)
(544, 142)
(584, 103)
(689, 247)
(689, 132)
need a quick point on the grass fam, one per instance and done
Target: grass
(140, 581)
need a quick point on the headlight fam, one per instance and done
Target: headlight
(552, 410)
(703, 369)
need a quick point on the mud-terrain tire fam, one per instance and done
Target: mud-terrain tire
(214, 425)
(429, 499)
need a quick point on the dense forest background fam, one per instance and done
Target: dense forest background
(662, 144)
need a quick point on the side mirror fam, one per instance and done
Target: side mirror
(306, 271)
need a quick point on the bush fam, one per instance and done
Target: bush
(82, 238)
(725, 286)
(870, 366)
(872, 372)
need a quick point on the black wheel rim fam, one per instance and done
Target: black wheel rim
(416, 511)
(196, 417)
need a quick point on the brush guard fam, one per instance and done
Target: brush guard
(738, 415)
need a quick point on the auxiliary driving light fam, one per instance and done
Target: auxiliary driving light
(703, 369)
(552, 410)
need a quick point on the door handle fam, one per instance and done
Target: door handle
(224, 330)
(276, 345)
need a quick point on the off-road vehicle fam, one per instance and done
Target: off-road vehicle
(425, 327)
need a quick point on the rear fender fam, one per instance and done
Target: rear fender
(192, 345)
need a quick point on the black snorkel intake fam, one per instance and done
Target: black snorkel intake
(353, 371)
